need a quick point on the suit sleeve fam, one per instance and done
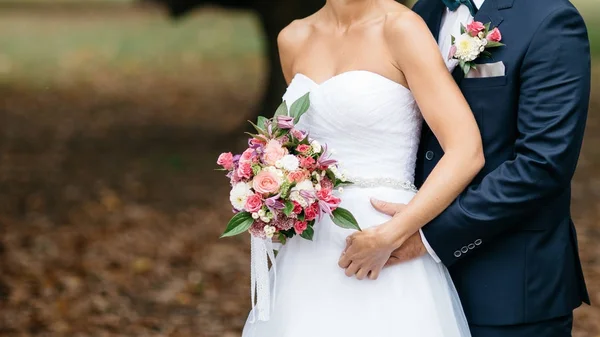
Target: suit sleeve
(552, 110)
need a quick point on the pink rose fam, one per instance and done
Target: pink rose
(297, 208)
(326, 196)
(273, 152)
(475, 28)
(245, 170)
(300, 226)
(494, 35)
(300, 135)
(253, 203)
(265, 183)
(226, 160)
(307, 162)
(297, 176)
(247, 155)
(311, 212)
(303, 148)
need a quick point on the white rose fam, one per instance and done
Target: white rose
(316, 146)
(277, 172)
(290, 163)
(238, 195)
(305, 185)
(467, 47)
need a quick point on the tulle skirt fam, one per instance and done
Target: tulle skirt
(314, 298)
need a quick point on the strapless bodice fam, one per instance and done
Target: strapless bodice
(371, 123)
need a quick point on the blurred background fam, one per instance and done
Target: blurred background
(112, 114)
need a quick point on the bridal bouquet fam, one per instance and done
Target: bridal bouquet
(280, 185)
(284, 181)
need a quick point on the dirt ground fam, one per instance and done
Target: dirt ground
(110, 210)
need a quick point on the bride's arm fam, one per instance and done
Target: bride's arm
(447, 113)
(289, 43)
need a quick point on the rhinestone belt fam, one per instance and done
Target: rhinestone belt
(382, 182)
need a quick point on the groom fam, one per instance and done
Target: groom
(508, 240)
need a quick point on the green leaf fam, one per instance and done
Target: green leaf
(463, 29)
(487, 27)
(466, 67)
(492, 44)
(343, 218)
(260, 130)
(486, 54)
(282, 110)
(331, 175)
(299, 107)
(282, 238)
(262, 122)
(308, 233)
(289, 207)
(453, 39)
(256, 169)
(339, 183)
(238, 224)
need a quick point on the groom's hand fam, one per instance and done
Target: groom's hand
(411, 248)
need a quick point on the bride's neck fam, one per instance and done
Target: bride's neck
(345, 13)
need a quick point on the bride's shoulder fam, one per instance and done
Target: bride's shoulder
(290, 42)
(296, 33)
(404, 25)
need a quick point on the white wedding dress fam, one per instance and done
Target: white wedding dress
(373, 124)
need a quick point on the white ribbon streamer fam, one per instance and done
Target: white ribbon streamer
(261, 250)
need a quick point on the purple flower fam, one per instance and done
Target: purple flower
(285, 122)
(324, 159)
(274, 204)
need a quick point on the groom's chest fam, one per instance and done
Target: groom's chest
(493, 97)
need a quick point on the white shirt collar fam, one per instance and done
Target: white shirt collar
(478, 3)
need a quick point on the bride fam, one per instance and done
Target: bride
(374, 72)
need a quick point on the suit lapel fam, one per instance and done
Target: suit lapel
(490, 11)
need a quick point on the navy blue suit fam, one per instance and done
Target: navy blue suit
(508, 240)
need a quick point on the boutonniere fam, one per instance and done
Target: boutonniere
(474, 42)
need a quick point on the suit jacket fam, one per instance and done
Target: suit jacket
(508, 239)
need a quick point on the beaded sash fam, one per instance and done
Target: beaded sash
(400, 184)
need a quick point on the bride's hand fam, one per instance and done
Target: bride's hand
(366, 253)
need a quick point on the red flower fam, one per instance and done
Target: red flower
(300, 226)
(307, 162)
(494, 35)
(297, 208)
(303, 148)
(475, 28)
(311, 212)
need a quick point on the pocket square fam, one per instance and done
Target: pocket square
(487, 70)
